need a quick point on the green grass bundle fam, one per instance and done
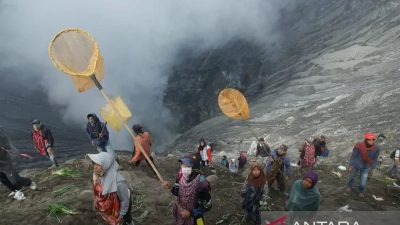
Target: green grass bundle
(58, 209)
(64, 189)
(384, 179)
(66, 172)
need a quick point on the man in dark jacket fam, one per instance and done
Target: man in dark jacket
(98, 134)
(43, 140)
(263, 149)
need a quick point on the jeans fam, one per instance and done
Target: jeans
(363, 178)
(394, 169)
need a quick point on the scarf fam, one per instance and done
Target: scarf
(39, 141)
(257, 181)
(111, 176)
(362, 146)
(108, 205)
(187, 199)
(301, 199)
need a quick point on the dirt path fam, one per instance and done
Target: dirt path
(152, 204)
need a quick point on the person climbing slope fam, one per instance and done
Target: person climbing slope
(253, 192)
(43, 141)
(363, 160)
(193, 193)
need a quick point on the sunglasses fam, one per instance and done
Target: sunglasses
(370, 139)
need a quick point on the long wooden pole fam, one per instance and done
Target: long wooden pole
(98, 85)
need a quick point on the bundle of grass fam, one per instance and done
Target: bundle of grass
(384, 179)
(64, 190)
(66, 172)
(59, 209)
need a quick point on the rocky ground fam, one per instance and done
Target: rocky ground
(152, 204)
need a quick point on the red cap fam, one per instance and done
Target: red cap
(369, 135)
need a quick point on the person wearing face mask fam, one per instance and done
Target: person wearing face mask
(304, 198)
(43, 140)
(278, 168)
(193, 193)
(363, 160)
(252, 192)
(112, 197)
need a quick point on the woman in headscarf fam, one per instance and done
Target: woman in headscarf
(193, 193)
(304, 196)
(308, 158)
(252, 192)
(111, 192)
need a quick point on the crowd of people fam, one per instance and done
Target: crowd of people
(113, 198)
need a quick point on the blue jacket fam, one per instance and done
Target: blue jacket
(286, 163)
(357, 162)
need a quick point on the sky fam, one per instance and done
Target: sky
(139, 41)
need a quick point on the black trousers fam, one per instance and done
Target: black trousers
(128, 215)
(20, 182)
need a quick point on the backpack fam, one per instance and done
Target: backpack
(393, 154)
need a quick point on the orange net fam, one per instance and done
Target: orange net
(233, 104)
(76, 53)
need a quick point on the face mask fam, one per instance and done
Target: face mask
(186, 172)
(36, 126)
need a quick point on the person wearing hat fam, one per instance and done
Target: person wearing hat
(363, 160)
(263, 150)
(278, 168)
(143, 139)
(43, 141)
(98, 134)
(193, 193)
(112, 197)
(304, 197)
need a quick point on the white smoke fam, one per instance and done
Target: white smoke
(139, 41)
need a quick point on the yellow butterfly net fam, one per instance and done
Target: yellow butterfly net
(76, 53)
(233, 104)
